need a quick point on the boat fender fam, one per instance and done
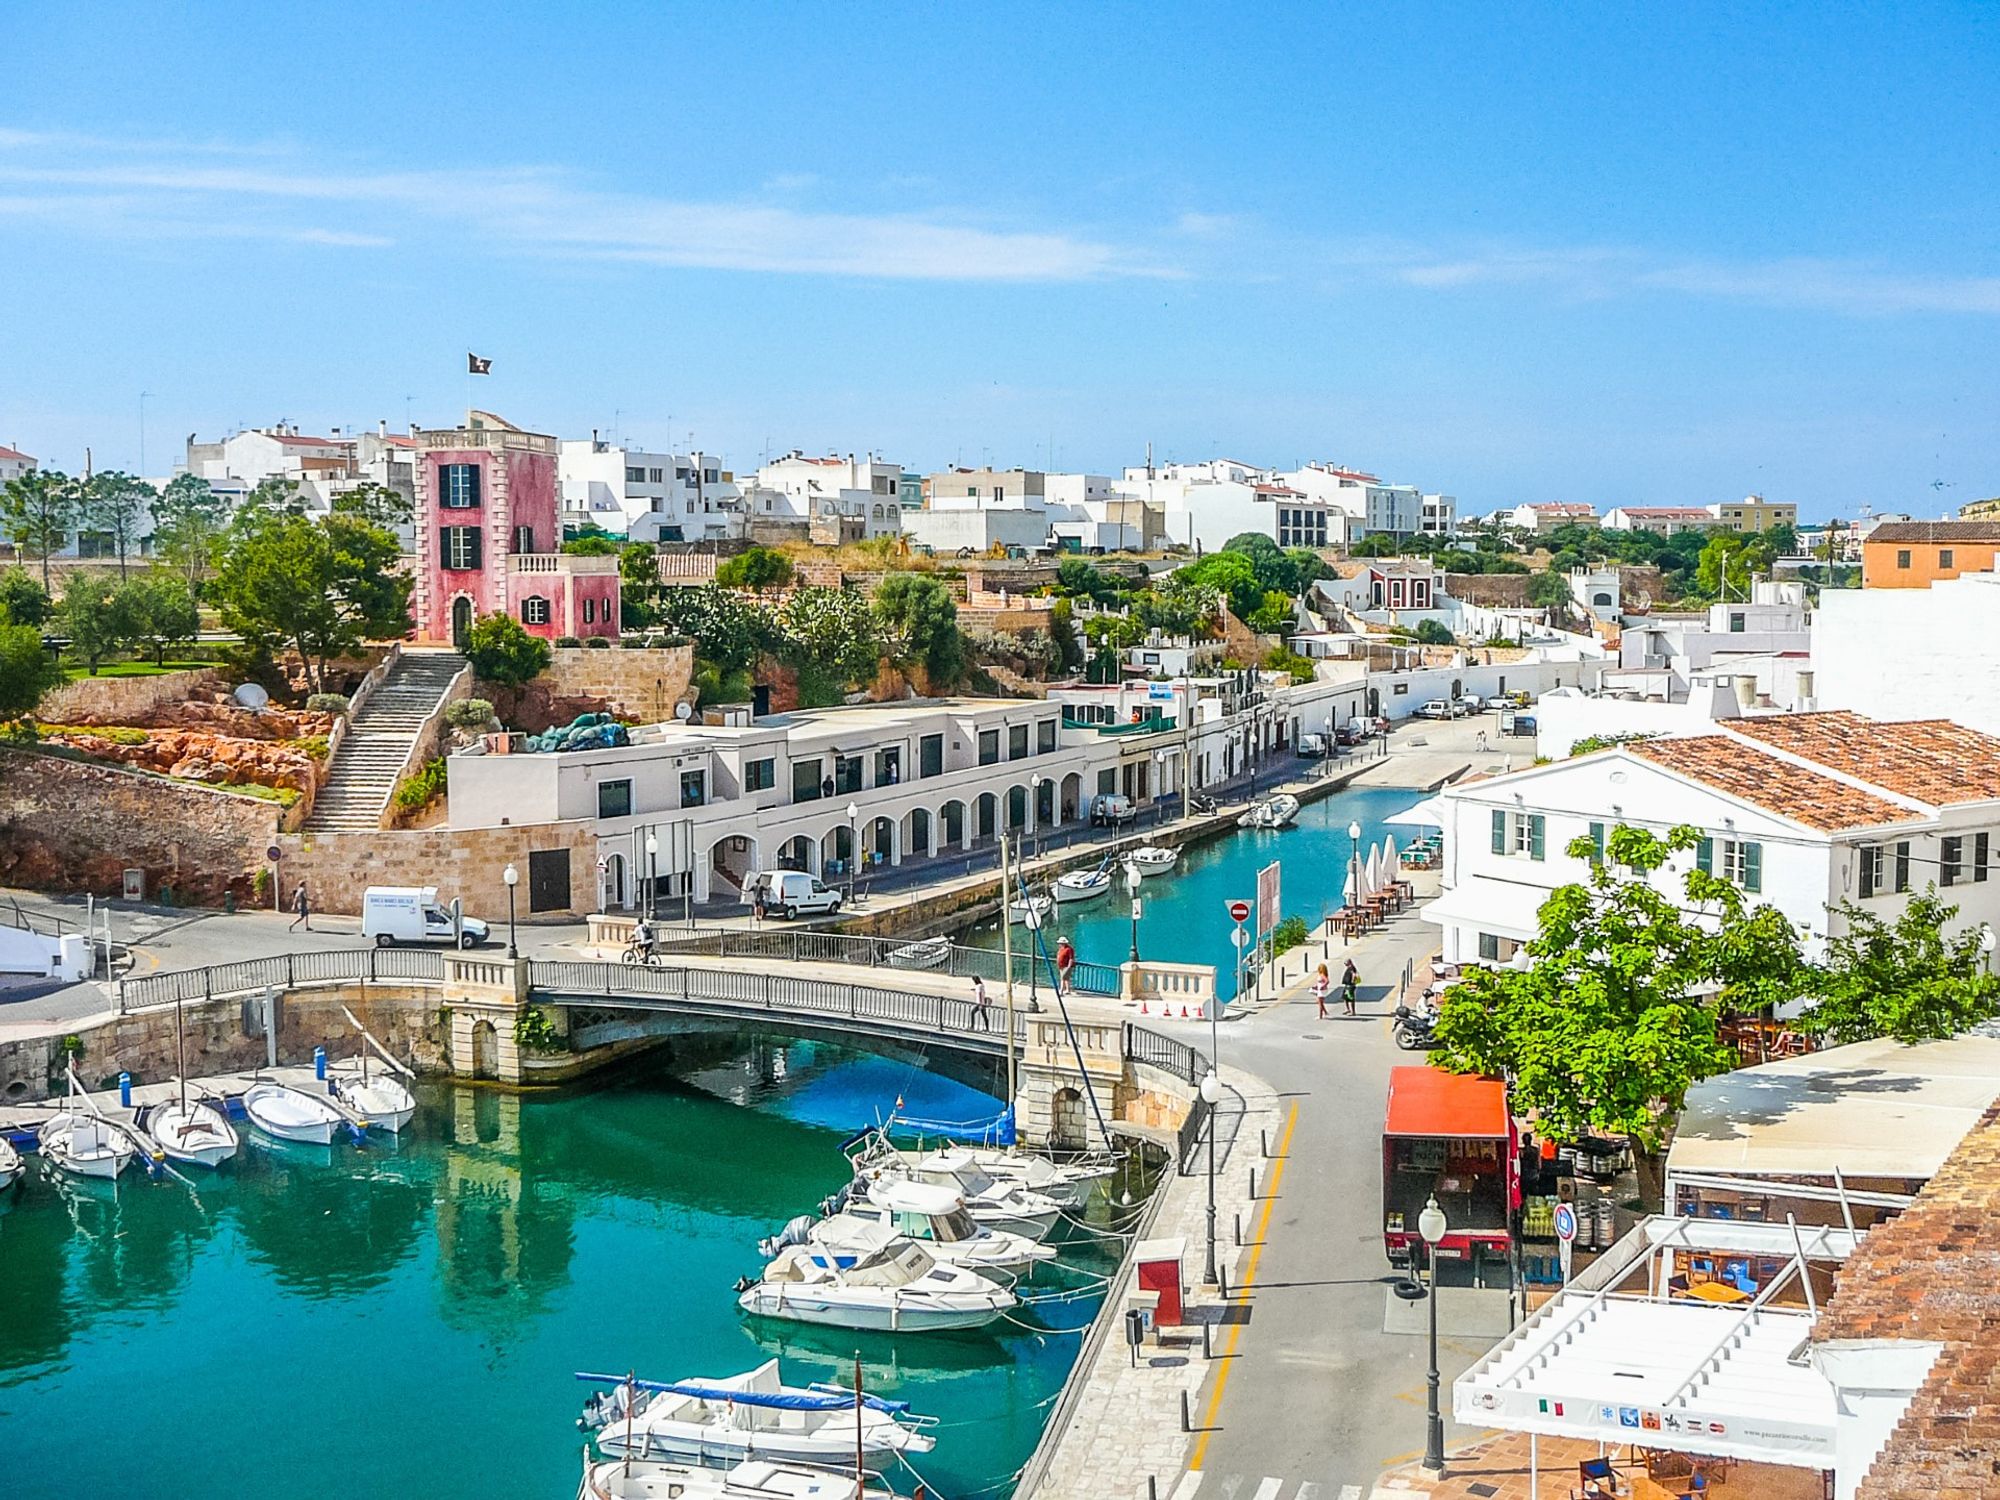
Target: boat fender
(744, 1283)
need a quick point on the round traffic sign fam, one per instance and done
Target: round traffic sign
(1565, 1222)
(1239, 911)
(1240, 938)
(272, 853)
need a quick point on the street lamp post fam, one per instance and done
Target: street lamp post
(1353, 865)
(853, 847)
(513, 878)
(1035, 783)
(653, 875)
(1431, 1225)
(1211, 1095)
(1159, 785)
(1987, 943)
(1132, 879)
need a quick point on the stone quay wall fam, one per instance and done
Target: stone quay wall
(643, 683)
(464, 862)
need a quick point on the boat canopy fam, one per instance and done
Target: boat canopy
(901, 1195)
(819, 1398)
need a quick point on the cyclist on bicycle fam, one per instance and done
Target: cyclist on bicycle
(642, 940)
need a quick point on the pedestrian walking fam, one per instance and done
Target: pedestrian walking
(1350, 981)
(1322, 985)
(982, 1017)
(1481, 742)
(301, 908)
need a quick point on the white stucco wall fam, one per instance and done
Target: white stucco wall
(1912, 653)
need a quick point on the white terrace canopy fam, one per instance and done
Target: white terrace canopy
(1628, 1367)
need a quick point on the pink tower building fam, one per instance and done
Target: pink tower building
(489, 535)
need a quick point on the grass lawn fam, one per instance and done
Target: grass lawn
(132, 669)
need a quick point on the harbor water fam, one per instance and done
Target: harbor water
(405, 1319)
(1184, 915)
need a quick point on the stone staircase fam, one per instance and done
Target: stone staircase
(378, 742)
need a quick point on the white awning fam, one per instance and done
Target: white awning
(1686, 1375)
(1428, 813)
(1495, 906)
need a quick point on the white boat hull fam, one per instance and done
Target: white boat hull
(638, 1479)
(810, 1305)
(85, 1147)
(1153, 861)
(717, 1443)
(1066, 893)
(382, 1102)
(197, 1133)
(10, 1165)
(292, 1115)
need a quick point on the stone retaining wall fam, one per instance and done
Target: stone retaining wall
(463, 862)
(642, 683)
(123, 700)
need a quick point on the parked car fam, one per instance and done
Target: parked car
(411, 914)
(1111, 810)
(794, 893)
(1468, 704)
(1349, 735)
(1435, 708)
(1315, 745)
(1500, 702)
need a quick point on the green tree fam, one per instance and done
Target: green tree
(1548, 590)
(1308, 567)
(38, 511)
(638, 584)
(502, 651)
(1273, 614)
(26, 669)
(161, 612)
(1615, 1018)
(1076, 576)
(188, 522)
(833, 630)
(589, 546)
(919, 621)
(97, 618)
(22, 600)
(1376, 544)
(756, 568)
(1727, 562)
(1231, 576)
(1062, 635)
(1907, 980)
(322, 587)
(376, 504)
(115, 504)
(269, 495)
(727, 632)
(1434, 633)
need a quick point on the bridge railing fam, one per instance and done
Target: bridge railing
(812, 945)
(1169, 1054)
(284, 971)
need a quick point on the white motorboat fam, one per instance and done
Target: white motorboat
(84, 1145)
(933, 1215)
(1082, 885)
(383, 1100)
(10, 1164)
(1070, 1184)
(292, 1114)
(1151, 859)
(753, 1415)
(925, 953)
(190, 1130)
(1271, 813)
(754, 1479)
(993, 1204)
(899, 1289)
(1030, 911)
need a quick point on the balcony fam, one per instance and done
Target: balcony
(560, 562)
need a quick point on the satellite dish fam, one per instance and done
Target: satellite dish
(683, 711)
(251, 695)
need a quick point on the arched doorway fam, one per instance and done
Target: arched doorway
(1017, 808)
(1068, 1132)
(1072, 797)
(730, 862)
(1045, 802)
(881, 846)
(954, 823)
(1374, 703)
(1457, 689)
(985, 812)
(836, 849)
(616, 886)
(485, 1050)
(917, 832)
(796, 853)
(461, 619)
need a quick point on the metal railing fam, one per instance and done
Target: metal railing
(282, 971)
(1190, 1135)
(811, 945)
(1166, 1053)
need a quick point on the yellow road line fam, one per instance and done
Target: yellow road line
(1243, 1287)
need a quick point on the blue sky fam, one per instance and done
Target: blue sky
(1613, 254)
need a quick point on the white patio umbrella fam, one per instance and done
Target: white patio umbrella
(1389, 853)
(1347, 886)
(1371, 872)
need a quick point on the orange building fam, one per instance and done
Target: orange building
(1916, 554)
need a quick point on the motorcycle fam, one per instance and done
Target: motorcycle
(1414, 1031)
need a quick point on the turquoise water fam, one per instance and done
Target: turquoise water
(404, 1320)
(1184, 917)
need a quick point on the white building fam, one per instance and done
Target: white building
(1662, 520)
(1546, 515)
(867, 493)
(647, 496)
(1803, 811)
(1092, 513)
(14, 464)
(1773, 620)
(1927, 652)
(320, 467)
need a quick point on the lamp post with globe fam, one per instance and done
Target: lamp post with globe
(1431, 1224)
(1211, 1095)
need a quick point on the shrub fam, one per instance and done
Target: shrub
(117, 734)
(422, 787)
(568, 641)
(501, 651)
(314, 745)
(1289, 933)
(260, 884)
(597, 643)
(326, 703)
(534, 1032)
(469, 713)
(284, 796)
(1434, 633)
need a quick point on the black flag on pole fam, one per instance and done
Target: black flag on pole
(474, 365)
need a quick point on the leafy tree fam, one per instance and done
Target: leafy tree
(1276, 571)
(376, 504)
(727, 632)
(26, 669)
(114, 504)
(1728, 560)
(1273, 614)
(272, 494)
(22, 600)
(1230, 575)
(1075, 576)
(1908, 980)
(589, 546)
(919, 621)
(757, 568)
(1783, 540)
(1615, 1018)
(320, 586)
(1375, 544)
(1062, 635)
(161, 612)
(97, 618)
(638, 584)
(188, 522)
(38, 511)
(1547, 590)
(1308, 567)
(832, 629)
(502, 651)
(1434, 633)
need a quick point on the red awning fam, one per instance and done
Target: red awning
(1432, 1102)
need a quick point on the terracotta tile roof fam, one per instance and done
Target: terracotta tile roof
(1933, 1274)
(293, 440)
(1932, 760)
(1744, 771)
(6, 452)
(1934, 531)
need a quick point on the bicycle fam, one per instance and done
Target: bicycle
(631, 955)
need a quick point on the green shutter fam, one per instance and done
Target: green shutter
(1704, 856)
(1979, 853)
(1864, 884)
(1753, 868)
(1499, 831)
(1597, 839)
(1902, 867)
(1537, 826)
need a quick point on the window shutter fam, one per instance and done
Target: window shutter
(1704, 856)
(1753, 868)
(1864, 884)
(1597, 838)
(1537, 827)
(1979, 856)
(1499, 831)
(1902, 867)
(1950, 852)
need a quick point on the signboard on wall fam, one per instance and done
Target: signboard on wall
(1267, 899)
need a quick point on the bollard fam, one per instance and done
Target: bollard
(1253, 1184)
(1207, 1350)
(1187, 1423)
(319, 1063)
(1264, 1144)
(1237, 1221)
(124, 1090)
(1222, 1281)
(1152, 1488)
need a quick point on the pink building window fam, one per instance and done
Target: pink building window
(535, 610)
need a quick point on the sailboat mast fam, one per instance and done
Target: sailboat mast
(1007, 955)
(860, 1474)
(180, 1054)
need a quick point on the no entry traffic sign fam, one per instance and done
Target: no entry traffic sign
(1239, 911)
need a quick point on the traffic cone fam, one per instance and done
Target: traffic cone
(1184, 1014)
(1142, 1009)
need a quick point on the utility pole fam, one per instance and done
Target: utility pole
(1007, 957)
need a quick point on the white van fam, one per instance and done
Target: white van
(411, 914)
(793, 893)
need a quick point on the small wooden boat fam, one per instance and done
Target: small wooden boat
(383, 1100)
(291, 1114)
(10, 1164)
(925, 953)
(1030, 911)
(189, 1130)
(1082, 885)
(1151, 859)
(85, 1146)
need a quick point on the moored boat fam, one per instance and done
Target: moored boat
(900, 1289)
(925, 953)
(1030, 911)
(934, 1216)
(83, 1145)
(1082, 885)
(10, 1164)
(754, 1479)
(189, 1130)
(1151, 859)
(383, 1100)
(290, 1114)
(1271, 813)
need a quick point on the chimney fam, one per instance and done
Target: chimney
(382, 428)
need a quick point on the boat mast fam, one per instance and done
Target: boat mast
(631, 1400)
(1007, 954)
(180, 1056)
(860, 1474)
